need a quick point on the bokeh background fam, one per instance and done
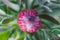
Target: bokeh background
(48, 11)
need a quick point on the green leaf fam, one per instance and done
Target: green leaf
(35, 2)
(7, 20)
(56, 1)
(46, 23)
(55, 31)
(29, 3)
(3, 28)
(29, 37)
(4, 35)
(2, 12)
(56, 27)
(14, 34)
(46, 37)
(49, 18)
(55, 14)
(33, 37)
(11, 5)
(21, 36)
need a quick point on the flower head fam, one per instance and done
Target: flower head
(28, 20)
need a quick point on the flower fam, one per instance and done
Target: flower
(28, 20)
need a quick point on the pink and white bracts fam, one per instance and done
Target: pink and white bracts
(28, 21)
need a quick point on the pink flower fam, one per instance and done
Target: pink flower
(28, 21)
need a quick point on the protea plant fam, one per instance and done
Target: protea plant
(30, 20)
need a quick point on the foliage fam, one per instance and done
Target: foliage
(48, 11)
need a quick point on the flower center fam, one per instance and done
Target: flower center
(31, 18)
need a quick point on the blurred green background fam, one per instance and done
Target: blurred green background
(48, 11)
